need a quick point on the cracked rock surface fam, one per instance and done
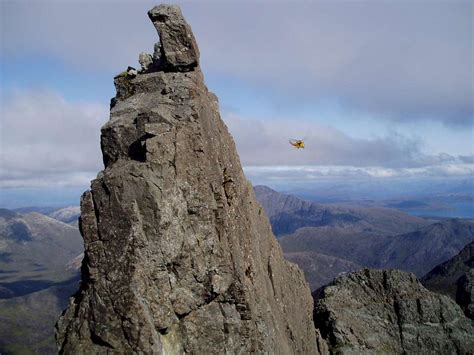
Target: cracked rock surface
(390, 312)
(179, 256)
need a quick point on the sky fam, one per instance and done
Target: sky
(378, 89)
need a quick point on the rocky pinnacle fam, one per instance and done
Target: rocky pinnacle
(179, 256)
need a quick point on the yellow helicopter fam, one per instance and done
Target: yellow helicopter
(297, 143)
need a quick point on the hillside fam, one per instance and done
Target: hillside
(69, 214)
(423, 249)
(452, 279)
(39, 272)
(34, 251)
(417, 252)
(320, 269)
(27, 322)
(343, 243)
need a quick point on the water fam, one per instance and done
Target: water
(461, 209)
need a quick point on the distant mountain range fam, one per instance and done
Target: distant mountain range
(321, 269)
(68, 214)
(288, 213)
(38, 272)
(356, 237)
(34, 251)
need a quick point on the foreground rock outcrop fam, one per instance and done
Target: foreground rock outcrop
(390, 312)
(179, 256)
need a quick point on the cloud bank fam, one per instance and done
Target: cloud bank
(48, 141)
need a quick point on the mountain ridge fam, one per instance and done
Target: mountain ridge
(288, 213)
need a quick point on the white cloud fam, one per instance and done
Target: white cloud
(47, 140)
(308, 174)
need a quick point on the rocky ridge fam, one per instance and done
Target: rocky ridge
(179, 256)
(390, 312)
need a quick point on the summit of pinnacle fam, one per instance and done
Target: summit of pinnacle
(177, 49)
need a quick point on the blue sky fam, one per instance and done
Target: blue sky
(380, 98)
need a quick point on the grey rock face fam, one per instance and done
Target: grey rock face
(179, 256)
(390, 312)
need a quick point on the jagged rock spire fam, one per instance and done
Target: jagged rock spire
(179, 256)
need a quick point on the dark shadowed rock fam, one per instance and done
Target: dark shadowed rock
(179, 256)
(465, 293)
(444, 277)
(390, 312)
(454, 278)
